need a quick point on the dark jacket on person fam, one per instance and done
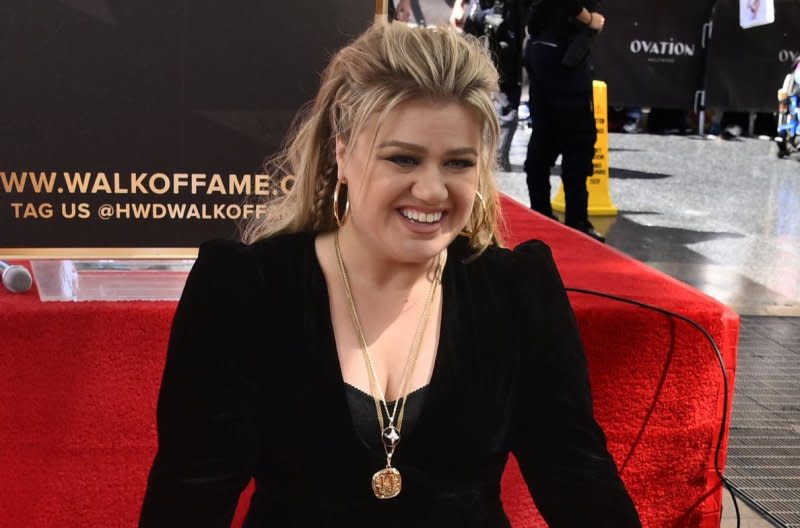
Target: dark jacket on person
(253, 388)
(555, 20)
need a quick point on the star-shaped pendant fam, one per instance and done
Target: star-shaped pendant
(391, 436)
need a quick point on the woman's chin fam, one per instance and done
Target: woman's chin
(421, 251)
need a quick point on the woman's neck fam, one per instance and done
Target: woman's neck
(370, 270)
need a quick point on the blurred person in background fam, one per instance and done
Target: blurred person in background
(401, 12)
(556, 58)
(502, 25)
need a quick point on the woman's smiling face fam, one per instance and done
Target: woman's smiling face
(412, 192)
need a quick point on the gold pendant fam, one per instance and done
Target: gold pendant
(387, 483)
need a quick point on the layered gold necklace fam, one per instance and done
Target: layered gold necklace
(387, 482)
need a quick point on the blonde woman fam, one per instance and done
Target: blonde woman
(370, 354)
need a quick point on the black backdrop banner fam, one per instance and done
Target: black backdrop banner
(146, 123)
(747, 66)
(652, 53)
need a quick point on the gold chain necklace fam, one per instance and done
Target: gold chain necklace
(387, 482)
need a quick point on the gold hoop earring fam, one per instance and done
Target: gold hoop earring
(340, 220)
(484, 218)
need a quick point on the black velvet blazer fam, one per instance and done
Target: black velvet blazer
(252, 388)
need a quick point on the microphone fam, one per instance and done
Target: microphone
(17, 279)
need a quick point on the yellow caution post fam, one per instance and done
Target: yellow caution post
(597, 184)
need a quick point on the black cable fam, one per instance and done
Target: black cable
(721, 361)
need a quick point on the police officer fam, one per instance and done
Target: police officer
(556, 58)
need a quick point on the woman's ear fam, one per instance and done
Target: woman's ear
(341, 154)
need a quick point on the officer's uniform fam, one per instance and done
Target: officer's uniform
(561, 109)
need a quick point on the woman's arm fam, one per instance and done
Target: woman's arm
(560, 447)
(206, 417)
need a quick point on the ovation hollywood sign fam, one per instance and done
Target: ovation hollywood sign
(785, 55)
(668, 48)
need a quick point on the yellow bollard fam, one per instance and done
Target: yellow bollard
(597, 184)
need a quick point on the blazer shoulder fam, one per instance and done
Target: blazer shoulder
(219, 251)
(524, 275)
(526, 258)
(240, 258)
(282, 248)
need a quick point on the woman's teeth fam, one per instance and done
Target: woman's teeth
(422, 218)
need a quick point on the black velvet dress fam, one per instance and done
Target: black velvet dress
(252, 388)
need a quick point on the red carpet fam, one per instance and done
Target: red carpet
(78, 387)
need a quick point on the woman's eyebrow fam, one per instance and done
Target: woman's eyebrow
(420, 148)
(402, 144)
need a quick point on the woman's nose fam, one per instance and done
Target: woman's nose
(430, 186)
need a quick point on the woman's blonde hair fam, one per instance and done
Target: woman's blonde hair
(386, 65)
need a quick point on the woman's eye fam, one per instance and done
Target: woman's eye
(403, 161)
(461, 163)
